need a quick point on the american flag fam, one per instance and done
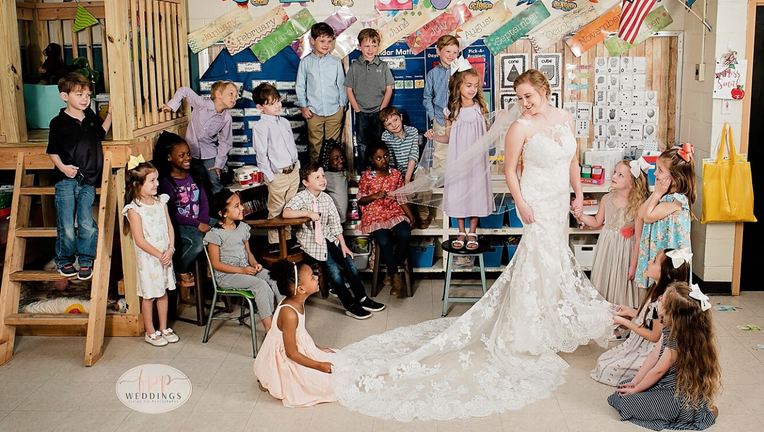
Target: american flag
(633, 13)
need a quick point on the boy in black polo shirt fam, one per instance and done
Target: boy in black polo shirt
(369, 85)
(74, 146)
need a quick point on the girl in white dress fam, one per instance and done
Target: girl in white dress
(147, 217)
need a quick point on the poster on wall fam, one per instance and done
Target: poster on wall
(729, 80)
(550, 65)
(393, 5)
(508, 100)
(512, 65)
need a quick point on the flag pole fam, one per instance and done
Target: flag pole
(696, 15)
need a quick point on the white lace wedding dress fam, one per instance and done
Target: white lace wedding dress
(500, 354)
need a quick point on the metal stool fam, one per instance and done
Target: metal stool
(484, 246)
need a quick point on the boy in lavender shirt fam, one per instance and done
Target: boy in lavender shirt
(209, 129)
(276, 154)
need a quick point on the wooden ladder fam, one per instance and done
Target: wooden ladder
(14, 273)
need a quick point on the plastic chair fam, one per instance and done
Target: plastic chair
(223, 292)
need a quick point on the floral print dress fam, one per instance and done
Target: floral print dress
(673, 232)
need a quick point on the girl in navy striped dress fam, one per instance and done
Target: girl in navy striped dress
(676, 386)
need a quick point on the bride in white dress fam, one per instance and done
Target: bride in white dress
(501, 353)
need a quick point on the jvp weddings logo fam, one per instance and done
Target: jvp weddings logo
(153, 388)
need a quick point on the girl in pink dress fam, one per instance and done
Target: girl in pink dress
(466, 196)
(290, 366)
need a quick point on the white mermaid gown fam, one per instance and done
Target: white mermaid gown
(500, 354)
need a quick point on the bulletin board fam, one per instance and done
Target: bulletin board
(662, 53)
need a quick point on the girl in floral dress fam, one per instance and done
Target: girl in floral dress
(383, 216)
(147, 217)
(666, 214)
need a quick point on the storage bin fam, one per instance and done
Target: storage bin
(583, 247)
(511, 249)
(493, 259)
(422, 256)
(361, 247)
(514, 220)
(495, 220)
(41, 103)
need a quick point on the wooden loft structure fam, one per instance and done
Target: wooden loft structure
(144, 59)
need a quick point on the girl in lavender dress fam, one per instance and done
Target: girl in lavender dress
(465, 196)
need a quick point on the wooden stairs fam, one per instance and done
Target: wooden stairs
(14, 273)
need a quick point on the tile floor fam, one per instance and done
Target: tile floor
(45, 386)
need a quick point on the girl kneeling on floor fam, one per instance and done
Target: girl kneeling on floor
(290, 366)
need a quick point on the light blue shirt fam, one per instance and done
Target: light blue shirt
(320, 84)
(436, 93)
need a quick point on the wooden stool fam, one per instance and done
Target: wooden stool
(407, 273)
(484, 246)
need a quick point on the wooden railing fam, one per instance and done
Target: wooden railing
(145, 57)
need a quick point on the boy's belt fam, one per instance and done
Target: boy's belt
(289, 169)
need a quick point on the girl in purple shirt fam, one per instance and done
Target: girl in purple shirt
(188, 206)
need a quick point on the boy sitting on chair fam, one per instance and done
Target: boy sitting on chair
(323, 242)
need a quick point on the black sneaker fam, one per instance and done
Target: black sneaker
(85, 273)
(67, 271)
(358, 312)
(371, 306)
(273, 248)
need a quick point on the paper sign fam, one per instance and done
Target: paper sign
(392, 5)
(655, 21)
(404, 24)
(517, 27)
(338, 21)
(214, 32)
(270, 45)
(549, 34)
(595, 32)
(443, 24)
(729, 81)
(725, 308)
(253, 32)
(482, 25)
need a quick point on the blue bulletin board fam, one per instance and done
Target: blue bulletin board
(247, 72)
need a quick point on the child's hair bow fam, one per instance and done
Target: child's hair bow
(680, 256)
(461, 64)
(135, 161)
(686, 151)
(639, 165)
(698, 295)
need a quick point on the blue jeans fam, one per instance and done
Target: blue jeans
(333, 266)
(209, 177)
(74, 200)
(393, 250)
(368, 130)
(190, 240)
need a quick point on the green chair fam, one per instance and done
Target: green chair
(220, 291)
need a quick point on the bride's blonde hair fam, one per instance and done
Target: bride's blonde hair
(536, 79)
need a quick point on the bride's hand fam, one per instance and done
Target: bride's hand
(525, 212)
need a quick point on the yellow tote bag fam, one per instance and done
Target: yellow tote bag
(727, 187)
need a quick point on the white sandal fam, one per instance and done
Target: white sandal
(458, 244)
(472, 244)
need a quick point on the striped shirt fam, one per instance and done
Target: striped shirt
(402, 150)
(330, 222)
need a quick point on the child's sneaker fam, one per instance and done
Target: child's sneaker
(372, 306)
(67, 271)
(170, 335)
(358, 312)
(155, 339)
(85, 273)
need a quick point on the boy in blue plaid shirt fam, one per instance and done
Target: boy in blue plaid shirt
(323, 242)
